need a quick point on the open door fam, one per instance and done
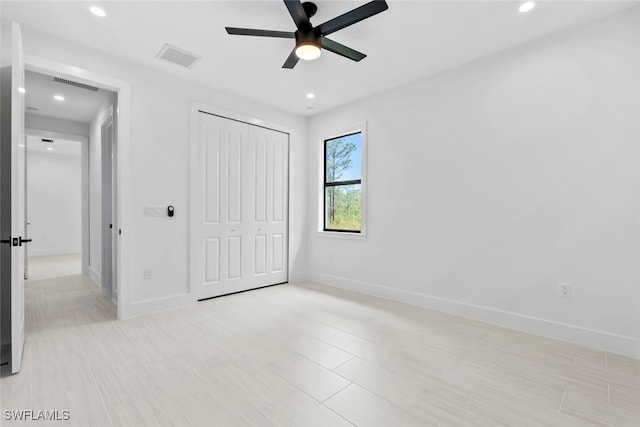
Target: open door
(109, 227)
(13, 173)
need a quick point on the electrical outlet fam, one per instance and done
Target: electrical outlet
(148, 274)
(565, 290)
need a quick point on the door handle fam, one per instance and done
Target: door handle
(15, 241)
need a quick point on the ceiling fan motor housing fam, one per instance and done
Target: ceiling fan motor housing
(311, 37)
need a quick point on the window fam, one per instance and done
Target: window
(343, 183)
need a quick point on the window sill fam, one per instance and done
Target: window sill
(342, 235)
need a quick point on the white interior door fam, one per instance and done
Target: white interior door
(114, 214)
(106, 178)
(268, 182)
(25, 208)
(239, 207)
(218, 203)
(17, 176)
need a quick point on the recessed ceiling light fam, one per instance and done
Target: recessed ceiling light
(58, 97)
(526, 7)
(98, 11)
(49, 148)
(21, 89)
(310, 96)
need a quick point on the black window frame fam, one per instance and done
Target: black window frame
(326, 185)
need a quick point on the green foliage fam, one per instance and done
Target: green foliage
(343, 202)
(338, 157)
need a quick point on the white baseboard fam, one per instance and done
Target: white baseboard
(95, 276)
(53, 251)
(152, 306)
(600, 340)
(298, 277)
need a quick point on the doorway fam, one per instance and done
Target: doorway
(71, 180)
(122, 132)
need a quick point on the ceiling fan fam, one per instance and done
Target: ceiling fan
(309, 39)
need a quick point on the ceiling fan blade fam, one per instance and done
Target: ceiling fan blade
(298, 14)
(356, 15)
(260, 33)
(341, 49)
(292, 60)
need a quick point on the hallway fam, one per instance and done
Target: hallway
(49, 266)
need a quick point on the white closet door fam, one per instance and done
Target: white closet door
(217, 203)
(268, 197)
(239, 207)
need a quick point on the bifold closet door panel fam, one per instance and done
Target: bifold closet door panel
(278, 210)
(268, 200)
(219, 223)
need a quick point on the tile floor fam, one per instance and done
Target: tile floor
(49, 266)
(303, 355)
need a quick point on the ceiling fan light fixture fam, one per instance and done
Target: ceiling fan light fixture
(308, 50)
(311, 39)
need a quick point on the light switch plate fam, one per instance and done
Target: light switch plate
(154, 211)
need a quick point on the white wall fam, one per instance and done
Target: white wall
(95, 189)
(160, 106)
(53, 192)
(491, 183)
(50, 124)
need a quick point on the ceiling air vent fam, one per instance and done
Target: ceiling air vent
(76, 84)
(177, 56)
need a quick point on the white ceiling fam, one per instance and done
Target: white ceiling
(79, 104)
(411, 40)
